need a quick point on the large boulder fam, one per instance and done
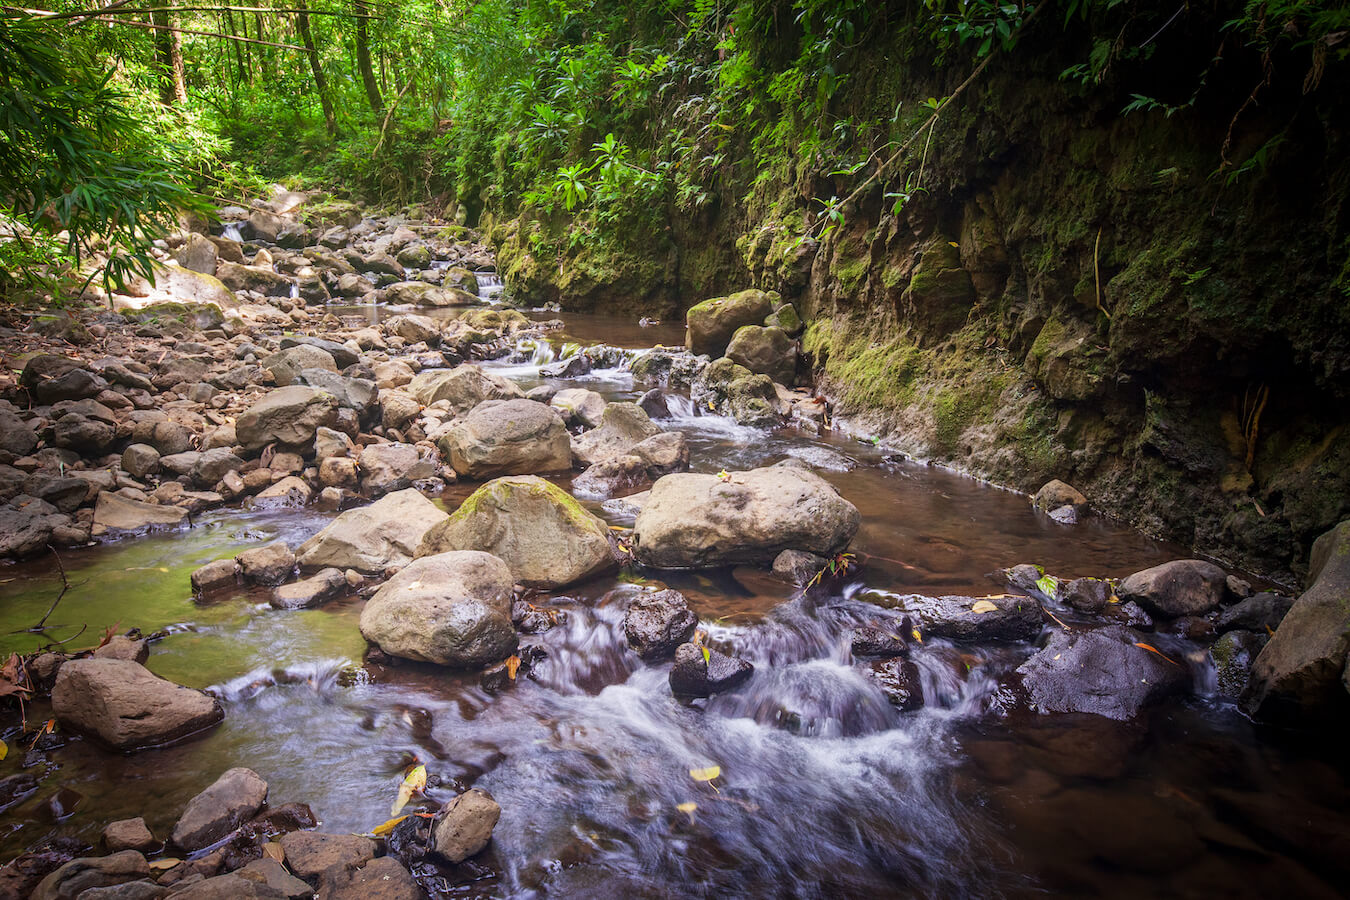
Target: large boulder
(393, 467)
(711, 324)
(622, 427)
(286, 365)
(453, 609)
(15, 435)
(357, 394)
(232, 800)
(546, 538)
(463, 387)
(373, 538)
(26, 531)
(198, 254)
(1104, 672)
(1302, 673)
(419, 293)
(699, 521)
(1182, 587)
(288, 416)
(252, 278)
(730, 389)
(579, 406)
(117, 513)
(511, 437)
(765, 351)
(127, 706)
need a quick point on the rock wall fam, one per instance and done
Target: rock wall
(1069, 291)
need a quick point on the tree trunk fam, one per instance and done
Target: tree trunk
(176, 65)
(240, 48)
(363, 59)
(302, 24)
(168, 59)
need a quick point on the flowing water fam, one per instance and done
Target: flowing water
(826, 789)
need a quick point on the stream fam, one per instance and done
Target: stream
(826, 789)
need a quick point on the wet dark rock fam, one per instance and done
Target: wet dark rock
(231, 801)
(15, 435)
(1183, 587)
(277, 820)
(126, 706)
(267, 565)
(1300, 675)
(310, 853)
(1192, 628)
(75, 384)
(798, 566)
(900, 681)
(1256, 613)
(380, 879)
(531, 619)
(692, 676)
(572, 367)
(1233, 654)
(653, 403)
(465, 825)
(15, 789)
(129, 834)
(1102, 672)
(1089, 595)
(1011, 618)
(82, 434)
(1131, 614)
(215, 576)
(79, 875)
(870, 640)
(310, 592)
(498, 677)
(1021, 577)
(26, 531)
(657, 623)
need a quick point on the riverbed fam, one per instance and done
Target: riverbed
(825, 788)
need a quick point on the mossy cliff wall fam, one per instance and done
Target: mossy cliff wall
(1073, 293)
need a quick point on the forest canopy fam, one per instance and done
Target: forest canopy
(117, 119)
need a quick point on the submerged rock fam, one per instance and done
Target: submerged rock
(699, 521)
(901, 682)
(1104, 672)
(372, 538)
(546, 538)
(453, 609)
(127, 706)
(694, 676)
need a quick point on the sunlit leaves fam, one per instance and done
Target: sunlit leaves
(413, 782)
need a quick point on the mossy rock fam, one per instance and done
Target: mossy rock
(544, 535)
(200, 316)
(711, 324)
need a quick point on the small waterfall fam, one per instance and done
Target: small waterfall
(233, 232)
(489, 286)
(295, 290)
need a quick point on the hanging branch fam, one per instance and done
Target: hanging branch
(216, 34)
(131, 11)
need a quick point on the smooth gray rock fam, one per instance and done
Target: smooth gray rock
(127, 706)
(234, 798)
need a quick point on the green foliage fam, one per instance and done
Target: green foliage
(80, 159)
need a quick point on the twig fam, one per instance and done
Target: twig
(389, 114)
(65, 586)
(1055, 617)
(1097, 272)
(216, 34)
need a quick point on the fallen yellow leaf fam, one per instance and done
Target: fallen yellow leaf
(4, 749)
(414, 781)
(707, 774)
(272, 850)
(918, 637)
(983, 606)
(386, 827)
(688, 809)
(512, 666)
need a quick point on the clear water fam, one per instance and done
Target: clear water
(826, 790)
